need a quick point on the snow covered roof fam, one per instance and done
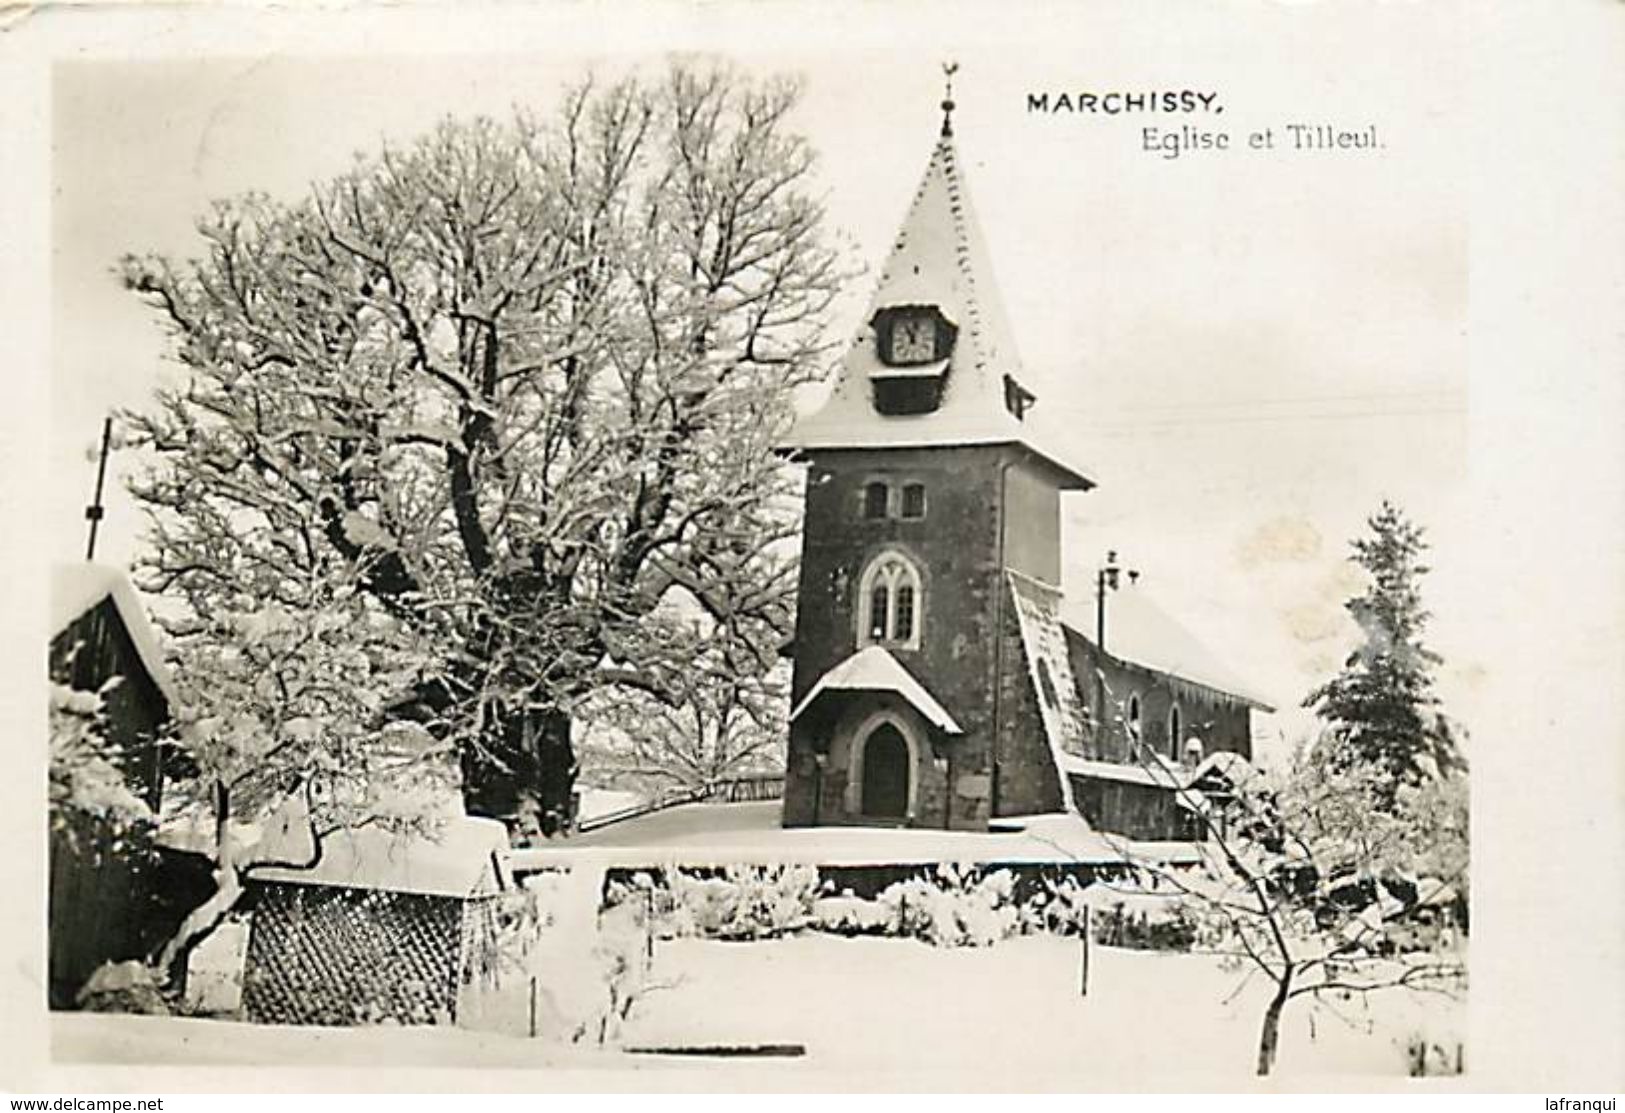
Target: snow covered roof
(459, 861)
(1227, 764)
(1140, 632)
(938, 260)
(739, 834)
(76, 588)
(1157, 775)
(1049, 667)
(873, 669)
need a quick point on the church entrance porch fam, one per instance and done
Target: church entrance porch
(886, 775)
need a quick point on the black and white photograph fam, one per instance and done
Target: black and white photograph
(880, 548)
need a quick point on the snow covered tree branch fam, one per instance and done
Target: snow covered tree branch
(524, 380)
(1310, 877)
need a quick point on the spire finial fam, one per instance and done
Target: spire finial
(948, 71)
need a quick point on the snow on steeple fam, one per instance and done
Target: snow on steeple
(940, 262)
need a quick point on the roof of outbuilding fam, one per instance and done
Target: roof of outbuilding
(874, 669)
(461, 859)
(940, 260)
(76, 588)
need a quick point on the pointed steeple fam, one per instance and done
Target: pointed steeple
(938, 265)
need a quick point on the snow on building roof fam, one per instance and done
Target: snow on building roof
(940, 260)
(76, 588)
(1049, 667)
(751, 834)
(1141, 633)
(873, 669)
(1154, 775)
(459, 860)
(1227, 764)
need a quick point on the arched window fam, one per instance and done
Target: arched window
(1174, 732)
(903, 618)
(879, 611)
(1134, 718)
(874, 500)
(891, 602)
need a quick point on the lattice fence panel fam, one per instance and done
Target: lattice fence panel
(322, 955)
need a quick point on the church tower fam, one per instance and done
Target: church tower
(921, 695)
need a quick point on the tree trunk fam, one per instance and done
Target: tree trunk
(529, 769)
(1270, 1037)
(199, 924)
(555, 771)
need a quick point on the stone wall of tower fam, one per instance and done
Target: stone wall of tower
(956, 546)
(1032, 522)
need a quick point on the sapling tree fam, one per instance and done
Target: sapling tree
(285, 721)
(1303, 877)
(525, 380)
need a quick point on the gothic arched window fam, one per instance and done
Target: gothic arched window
(1174, 731)
(891, 602)
(1134, 721)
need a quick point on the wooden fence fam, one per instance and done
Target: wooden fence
(735, 790)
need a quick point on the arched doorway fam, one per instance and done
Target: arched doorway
(885, 773)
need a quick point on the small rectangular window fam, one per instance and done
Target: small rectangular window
(874, 500)
(914, 500)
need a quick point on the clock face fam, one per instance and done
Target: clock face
(913, 339)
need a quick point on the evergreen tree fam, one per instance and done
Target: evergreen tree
(1380, 710)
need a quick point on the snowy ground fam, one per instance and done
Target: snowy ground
(872, 1003)
(870, 1007)
(142, 1040)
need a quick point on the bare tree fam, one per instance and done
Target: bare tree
(525, 381)
(1302, 879)
(725, 729)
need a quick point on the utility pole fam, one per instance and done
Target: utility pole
(1108, 577)
(95, 511)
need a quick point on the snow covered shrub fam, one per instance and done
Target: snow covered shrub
(1061, 909)
(123, 987)
(955, 907)
(851, 915)
(88, 791)
(744, 901)
(1142, 920)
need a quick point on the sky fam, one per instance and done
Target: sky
(1251, 348)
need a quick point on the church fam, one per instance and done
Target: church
(941, 679)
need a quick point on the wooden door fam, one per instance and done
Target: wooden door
(885, 774)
